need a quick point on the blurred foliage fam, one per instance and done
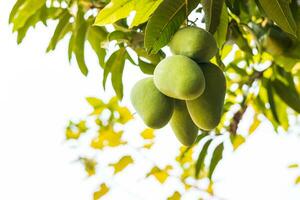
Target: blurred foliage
(259, 51)
(108, 125)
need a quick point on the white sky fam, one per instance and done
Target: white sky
(41, 92)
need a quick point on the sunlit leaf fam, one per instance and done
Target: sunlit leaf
(160, 174)
(115, 10)
(107, 137)
(175, 196)
(237, 140)
(144, 9)
(297, 181)
(125, 115)
(23, 10)
(148, 134)
(293, 166)
(103, 189)
(122, 164)
(89, 165)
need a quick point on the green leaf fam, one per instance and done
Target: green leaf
(271, 100)
(280, 12)
(146, 68)
(115, 66)
(221, 31)
(62, 28)
(144, 9)
(15, 10)
(287, 95)
(216, 157)
(97, 35)
(213, 11)
(23, 11)
(165, 21)
(200, 160)
(81, 27)
(115, 10)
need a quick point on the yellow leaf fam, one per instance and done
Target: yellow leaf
(148, 145)
(297, 181)
(122, 164)
(237, 140)
(210, 189)
(256, 122)
(159, 174)
(72, 134)
(89, 165)
(107, 137)
(125, 115)
(185, 155)
(74, 131)
(103, 189)
(293, 166)
(176, 196)
(148, 134)
(144, 8)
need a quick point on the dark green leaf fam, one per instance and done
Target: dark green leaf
(271, 100)
(287, 95)
(216, 157)
(165, 21)
(212, 10)
(279, 11)
(200, 160)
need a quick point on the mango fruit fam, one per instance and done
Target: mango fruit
(154, 108)
(206, 110)
(182, 124)
(179, 77)
(195, 43)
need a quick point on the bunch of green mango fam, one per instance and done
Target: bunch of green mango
(185, 90)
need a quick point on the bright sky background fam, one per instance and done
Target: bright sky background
(40, 92)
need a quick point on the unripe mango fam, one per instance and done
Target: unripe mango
(182, 124)
(206, 110)
(155, 108)
(179, 77)
(195, 43)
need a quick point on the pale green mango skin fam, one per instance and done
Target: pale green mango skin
(179, 77)
(195, 43)
(206, 110)
(182, 125)
(153, 107)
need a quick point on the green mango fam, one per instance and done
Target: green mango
(179, 77)
(182, 124)
(195, 43)
(206, 110)
(155, 108)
